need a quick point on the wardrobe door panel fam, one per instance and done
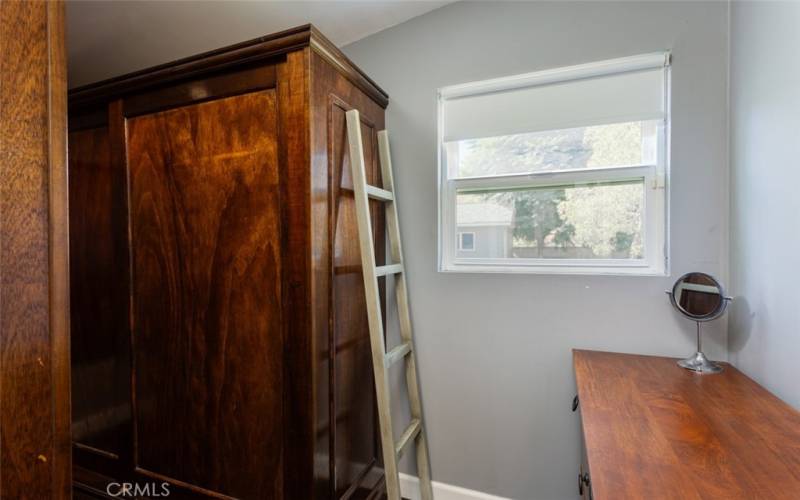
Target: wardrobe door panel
(99, 300)
(206, 255)
(353, 386)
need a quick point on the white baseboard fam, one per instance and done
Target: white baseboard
(409, 487)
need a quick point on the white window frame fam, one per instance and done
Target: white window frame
(655, 177)
(461, 241)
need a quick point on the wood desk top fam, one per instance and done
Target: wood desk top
(654, 430)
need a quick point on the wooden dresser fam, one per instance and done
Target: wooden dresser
(219, 327)
(653, 430)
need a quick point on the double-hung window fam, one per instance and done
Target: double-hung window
(558, 171)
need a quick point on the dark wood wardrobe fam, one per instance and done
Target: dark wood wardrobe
(34, 266)
(219, 329)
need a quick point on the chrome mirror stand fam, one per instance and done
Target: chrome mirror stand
(698, 362)
(699, 297)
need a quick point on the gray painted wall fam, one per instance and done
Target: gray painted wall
(494, 350)
(765, 209)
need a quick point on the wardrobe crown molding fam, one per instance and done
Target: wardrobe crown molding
(240, 54)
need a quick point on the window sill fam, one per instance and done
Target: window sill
(554, 270)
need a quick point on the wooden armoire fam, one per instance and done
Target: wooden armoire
(219, 328)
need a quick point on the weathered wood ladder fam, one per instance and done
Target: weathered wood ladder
(382, 360)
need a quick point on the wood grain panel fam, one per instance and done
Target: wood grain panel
(206, 233)
(34, 284)
(353, 386)
(58, 211)
(301, 464)
(352, 425)
(100, 343)
(654, 430)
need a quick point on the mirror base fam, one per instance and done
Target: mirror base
(700, 363)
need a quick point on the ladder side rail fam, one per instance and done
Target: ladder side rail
(373, 302)
(404, 316)
(393, 228)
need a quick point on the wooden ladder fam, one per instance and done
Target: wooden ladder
(382, 360)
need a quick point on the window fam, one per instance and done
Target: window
(559, 171)
(466, 242)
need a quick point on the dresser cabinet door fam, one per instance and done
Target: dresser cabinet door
(101, 409)
(205, 220)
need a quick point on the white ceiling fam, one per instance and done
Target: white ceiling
(113, 37)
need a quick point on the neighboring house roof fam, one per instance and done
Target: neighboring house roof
(483, 214)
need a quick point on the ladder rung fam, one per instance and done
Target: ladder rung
(397, 353)
(410, 433)
(390, 269)
(377, 193)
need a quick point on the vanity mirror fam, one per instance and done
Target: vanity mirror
(699, 297)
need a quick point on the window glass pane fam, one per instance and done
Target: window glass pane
(467, 241)
(617, 144)
(597, 221)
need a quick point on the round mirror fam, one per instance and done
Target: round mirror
(698, 296)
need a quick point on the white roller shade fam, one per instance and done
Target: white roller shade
(622, 90)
